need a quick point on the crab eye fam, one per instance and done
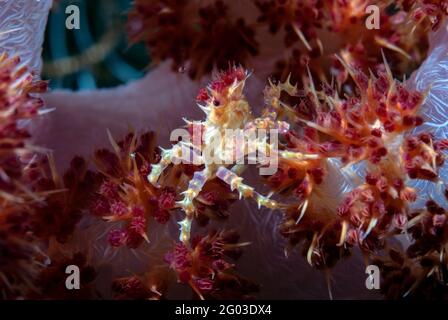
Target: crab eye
(216, 103)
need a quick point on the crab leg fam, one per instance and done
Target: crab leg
(194, 187)
(169, 156)
(236, 183)
(157, 169)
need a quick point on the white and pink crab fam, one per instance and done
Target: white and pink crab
(226, 108)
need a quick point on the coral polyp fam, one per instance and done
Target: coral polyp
(194, 34)
(38, 209)
(123, 196)
(373, 127)
(204, 266)
(308, 25)
(420, 270)
(150, 286)
(20, 252)
(204, 36)
(429, 13)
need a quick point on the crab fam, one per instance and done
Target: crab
(226, 107)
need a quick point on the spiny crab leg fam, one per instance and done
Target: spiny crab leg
(236, 183)
(167, 158)
(267, 123)
(157, 169)
(265, 149)
(194, 188)
(291, 155)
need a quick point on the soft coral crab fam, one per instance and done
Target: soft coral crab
(226, 108)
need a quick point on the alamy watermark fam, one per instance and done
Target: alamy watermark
(73, 281)
(73, 21)
(374, 18)
(373, 279)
